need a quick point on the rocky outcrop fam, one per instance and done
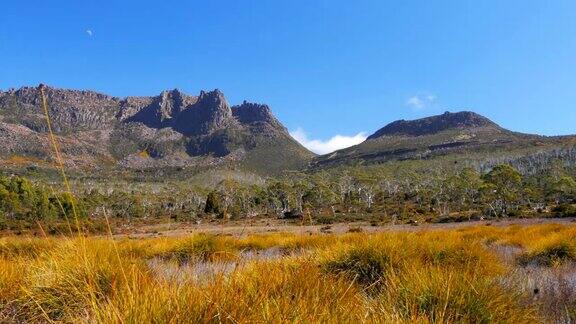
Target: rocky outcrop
(156, 112)
(70, 110)
(211, 112)
(250, 113)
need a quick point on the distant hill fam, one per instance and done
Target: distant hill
(450, 133)
(174, 132)
(170, 130)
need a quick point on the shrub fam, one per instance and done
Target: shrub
(355, 229)
(564, 210)
(213, 203)
(325, 219)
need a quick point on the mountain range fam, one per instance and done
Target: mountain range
(172, 129)
(180, 131)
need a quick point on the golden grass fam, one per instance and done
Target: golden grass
(19, 160)
(422, 276)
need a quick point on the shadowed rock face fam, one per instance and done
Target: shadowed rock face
(434, 124)
(158, 111)
(172, 126)
(251, 113)
(211, 112)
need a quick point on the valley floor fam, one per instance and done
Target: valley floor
(267, 226)
(517, 271)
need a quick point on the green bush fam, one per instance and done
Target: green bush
(564, 210)
(213, 204)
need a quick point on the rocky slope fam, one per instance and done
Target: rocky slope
(462, 133)
(173, 129)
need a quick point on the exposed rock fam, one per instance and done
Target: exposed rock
(173, 128)
(250, 113)
(210, 113)
(159, 111)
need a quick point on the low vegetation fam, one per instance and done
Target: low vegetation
(458, 275)
(404, 192)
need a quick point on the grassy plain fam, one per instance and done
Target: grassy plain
(480, 274)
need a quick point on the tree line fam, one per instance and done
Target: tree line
(379, 194)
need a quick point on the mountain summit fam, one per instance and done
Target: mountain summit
(172, 129)
(450, 133)
(435, 124)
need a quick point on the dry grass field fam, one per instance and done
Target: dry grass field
(480, 274)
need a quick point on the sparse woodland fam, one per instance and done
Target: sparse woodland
(399, 192)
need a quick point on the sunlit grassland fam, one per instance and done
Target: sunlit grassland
(471, 274)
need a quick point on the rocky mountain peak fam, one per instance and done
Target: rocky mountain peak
(248, 113)
(210, 113)
(215, 97)
(435, 124)
(170, 103)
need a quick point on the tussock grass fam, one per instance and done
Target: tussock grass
(27, 247)
(554, 251)
(422, 276)
(440, 295)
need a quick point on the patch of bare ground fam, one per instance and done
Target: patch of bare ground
(241, 228)
(9, 313)
(199, 271)
(551, 289)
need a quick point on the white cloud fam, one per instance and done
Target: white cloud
(335, 143)
(420, 101)
(89, 32)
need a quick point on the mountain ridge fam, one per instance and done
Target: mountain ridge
(434, 124)
(181, 131)
(463, 133)
(169, 129)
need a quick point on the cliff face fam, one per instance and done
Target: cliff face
(171, 129)
(70, 110)
(210, 113)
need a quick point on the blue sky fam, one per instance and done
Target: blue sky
(326, 68)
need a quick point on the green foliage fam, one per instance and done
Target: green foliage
(505, 180)
(564, 210)
(21, 200)
(562, 188)
(502, 188)
(213, 203)
(409, 192)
